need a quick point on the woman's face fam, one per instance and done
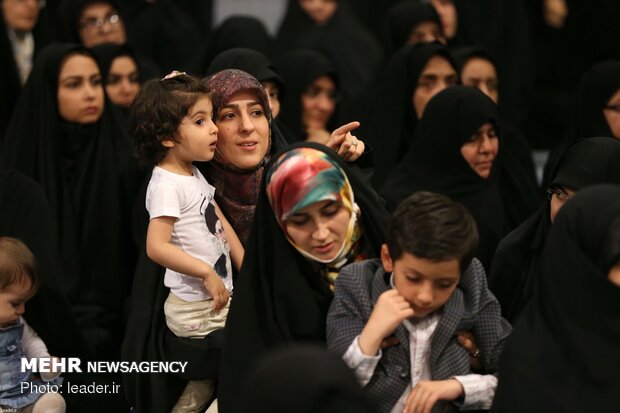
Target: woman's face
(447, 14)
(273, 92)
(318, 103)
(320, 229)
(321, 11)
(122, 84)
(425, 32)
(557, 198)
(612, 114)
(80, 93)
(20, 15)
(243, 136)
(437, 75)
(481, 151)
(100, 23)
(481, 74)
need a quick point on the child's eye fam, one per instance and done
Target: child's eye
(199, 122)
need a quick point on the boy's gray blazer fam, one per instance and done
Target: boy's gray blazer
(471, 307)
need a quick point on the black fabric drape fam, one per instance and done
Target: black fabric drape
(434, 162)
(88, 177)
(279, 296)
(299, 68)
(513, 275)
(563, 353)
(391, 119)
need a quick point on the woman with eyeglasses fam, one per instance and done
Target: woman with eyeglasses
(95, 22)
(513, 275)
(309, 107)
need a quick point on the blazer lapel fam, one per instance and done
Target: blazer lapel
(446, 329)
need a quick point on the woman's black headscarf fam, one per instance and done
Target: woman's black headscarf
(435, 163)
(300, 68)
(598, 85)
(517, 177)
(87, 175)
(392, 120)
(563, 353)
(235, 32)
(512, 278)
(106, 53)
(280, 297)
(352, 48)
(401, 19)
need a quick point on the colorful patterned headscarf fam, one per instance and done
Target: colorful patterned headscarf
(304, 176)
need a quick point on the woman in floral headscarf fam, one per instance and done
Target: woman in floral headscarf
(313, 216)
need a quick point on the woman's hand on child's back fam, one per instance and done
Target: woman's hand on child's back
(217, 289)
(390, 310)
(427, 392)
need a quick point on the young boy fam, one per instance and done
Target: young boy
(426, 287)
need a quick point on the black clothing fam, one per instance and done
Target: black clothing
(88, 177)
(280, 298)
(401, 19)
(435, 163)
(513, 275)
(299, 69)
(563, 353)
(517, 177)
(391, 122)
(304, 379)
(354, 51)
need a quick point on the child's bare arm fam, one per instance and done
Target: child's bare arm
(391, 309)
(160, 249)
(236, 248)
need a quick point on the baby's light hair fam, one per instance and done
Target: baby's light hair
(17, 264)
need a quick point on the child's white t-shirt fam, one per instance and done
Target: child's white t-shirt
(198, 231)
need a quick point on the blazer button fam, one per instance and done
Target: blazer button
(403, 374)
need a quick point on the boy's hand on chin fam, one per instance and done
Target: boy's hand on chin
(391, 309)
(427, 392)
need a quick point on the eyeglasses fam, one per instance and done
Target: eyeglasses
(559, 193)
(96, 24)
(615, 108)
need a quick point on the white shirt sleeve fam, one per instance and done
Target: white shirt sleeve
(163, 199)
(479, 390)
(362, 365)
(34, 347)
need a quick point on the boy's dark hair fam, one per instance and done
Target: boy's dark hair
(433, 227)
(17, 264)
(158, 111)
